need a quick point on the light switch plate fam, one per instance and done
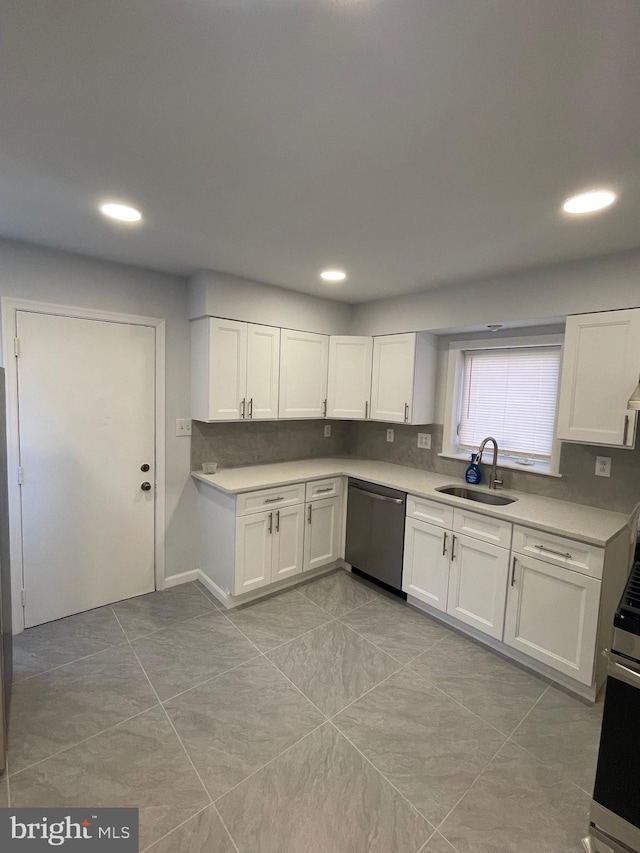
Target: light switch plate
(389, 435)
(603, 466)
(327, 430)
(183, 426)
(424, 440)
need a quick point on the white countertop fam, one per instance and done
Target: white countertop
(587, 524)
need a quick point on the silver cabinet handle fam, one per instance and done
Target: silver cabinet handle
(377, 497)
(513, 571)
(273, 500)
(321, 491)
(626, 429)
(242, 407)
(453, 546)
(270, 522)
(366, 410)
(406, 412)
(324, 408)
(444, 544)
(251, 407)
(278, 521)
(309, 516)
(551, 551)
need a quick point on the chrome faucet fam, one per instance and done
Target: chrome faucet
(493, 476)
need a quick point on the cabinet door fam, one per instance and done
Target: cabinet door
(227, 369)
(478, 584)
(254, 537)
(392, 378)
(600, 367)
(349, 388)
(322, 533)
(552, 616)
(425, 568)
(263, 371)
(303, 374)
(288, 536)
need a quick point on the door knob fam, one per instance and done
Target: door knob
(144, 467)
(146, 487)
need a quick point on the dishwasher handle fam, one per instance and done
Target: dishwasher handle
(377, 497)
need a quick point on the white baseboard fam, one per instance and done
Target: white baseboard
(183, 577)
(231, 601)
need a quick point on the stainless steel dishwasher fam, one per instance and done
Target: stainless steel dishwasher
(375, 533)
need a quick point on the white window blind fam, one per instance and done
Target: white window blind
(510, 394)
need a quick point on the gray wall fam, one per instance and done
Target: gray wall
(552, 292)
(46, 275)
(220, 295)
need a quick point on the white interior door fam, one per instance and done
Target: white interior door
(86, 395)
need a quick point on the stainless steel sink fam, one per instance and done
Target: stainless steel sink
(473, 495)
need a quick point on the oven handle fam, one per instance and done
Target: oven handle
(623, 673)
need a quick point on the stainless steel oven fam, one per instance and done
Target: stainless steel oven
(615, 810)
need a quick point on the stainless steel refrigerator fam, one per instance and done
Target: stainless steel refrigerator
(6, 660)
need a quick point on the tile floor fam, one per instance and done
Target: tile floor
(327, 719)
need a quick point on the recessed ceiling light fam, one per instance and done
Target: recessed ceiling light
(121, 212)
(333, 275)
(589, 202)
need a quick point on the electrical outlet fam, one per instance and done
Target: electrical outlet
(424, 440)
(390, 435)
(603, 466)
(327, 430)
(183, 426)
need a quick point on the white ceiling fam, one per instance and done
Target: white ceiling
(412, 142)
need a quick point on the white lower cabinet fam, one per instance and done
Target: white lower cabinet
(478, 584)
(269, 547)
(425, 568)
(254, 552)
(322, 534)
(552, 616)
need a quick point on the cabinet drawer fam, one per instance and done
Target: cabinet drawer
(270, 499)
(583, 558)
(483, 527)
(319, 489)
(431, 511)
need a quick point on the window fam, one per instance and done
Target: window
(508, 391)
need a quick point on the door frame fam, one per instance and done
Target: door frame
(9, 308)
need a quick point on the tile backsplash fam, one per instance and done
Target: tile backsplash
(233, 444)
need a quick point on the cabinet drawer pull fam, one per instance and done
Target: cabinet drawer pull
(551, 551)
(626, 429)
(328, 489)
(453, 546)
(278, 521)
(324, 408)
(406, 412)
(309, 516)
(273, 500)
(444, 544)
(513, 572)
(242, 407)
(251, 407)
(270, 522)
(366, 409)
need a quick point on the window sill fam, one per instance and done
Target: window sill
(535, 468)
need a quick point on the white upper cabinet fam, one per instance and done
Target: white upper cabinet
(349, 388)
(303, 374)
(263, 371)
(218, 369)
(234, 370)
(403, 378)
(601, 364)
